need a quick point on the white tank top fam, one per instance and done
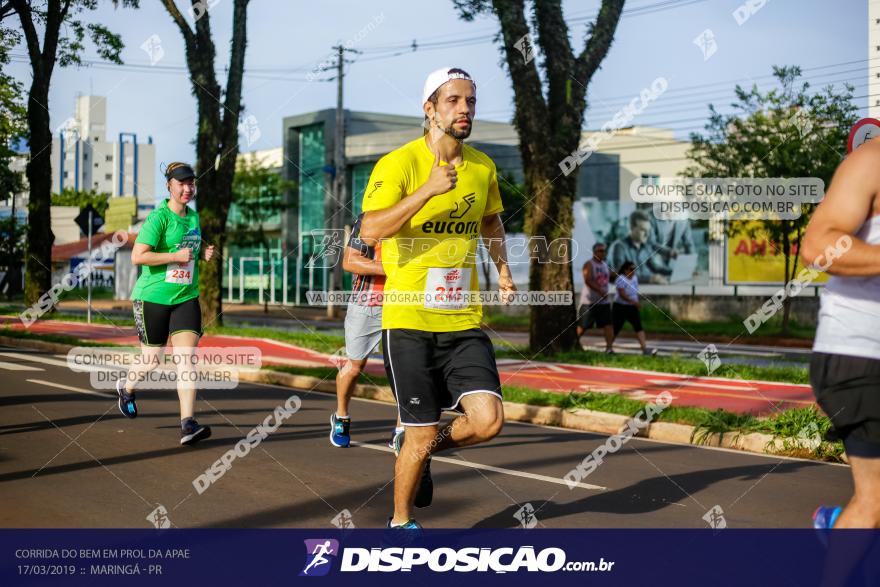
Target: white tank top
(849, 314)
(600, 274)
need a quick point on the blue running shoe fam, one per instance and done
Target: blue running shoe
(397, 441)
(825, 517)
(191, 432)
(425, 491)
(403, 535)
(394, 434)
(340, 435)
(410, 524)
(126, 402)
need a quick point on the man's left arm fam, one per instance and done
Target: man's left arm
(492, 231)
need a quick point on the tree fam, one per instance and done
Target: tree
(548, 118)
(258, 197)
(216, 136)
(514, 200)
(70, 197)
(13, 118)
(63, 41)
(13, 129)
(787, 131)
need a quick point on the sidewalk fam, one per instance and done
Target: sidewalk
(759, 398)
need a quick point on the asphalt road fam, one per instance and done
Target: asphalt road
(69, 459)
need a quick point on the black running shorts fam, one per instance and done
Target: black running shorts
(623, 313)
(156, 322)
(848, 390)
(431, 371)
(597, 314)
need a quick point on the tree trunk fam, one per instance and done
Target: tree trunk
(551, 327)
(216, 140)
(549, 129)
(38, 262)
(786, 302)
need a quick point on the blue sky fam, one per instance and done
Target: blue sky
(287, 39)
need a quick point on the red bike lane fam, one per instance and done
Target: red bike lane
(756, 397)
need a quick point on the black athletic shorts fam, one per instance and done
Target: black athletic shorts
(431, 371)
(848, 390)
(623, 313)
(598, 314)
(156, 322)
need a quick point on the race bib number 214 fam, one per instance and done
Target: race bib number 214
(446, 288)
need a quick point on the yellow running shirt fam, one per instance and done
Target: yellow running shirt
(435, 252)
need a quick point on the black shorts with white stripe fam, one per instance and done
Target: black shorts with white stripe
(431, 371)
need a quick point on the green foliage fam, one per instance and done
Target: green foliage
(70, 197)
(11, 242)
(13, 118)
(789, 131)
(258, 198)
(515, 202)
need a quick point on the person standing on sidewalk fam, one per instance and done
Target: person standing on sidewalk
(165, 299)
(363, 326)
(627, 306)
(431, 200)
(595, 303)
(843, 239)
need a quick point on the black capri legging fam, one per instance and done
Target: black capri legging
(622, 313)
(156, 322)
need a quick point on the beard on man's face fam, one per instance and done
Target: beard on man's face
(457, 132)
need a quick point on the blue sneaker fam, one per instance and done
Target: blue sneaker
(410, 524)
(825, 517)
(403, 535)
(191, 432)
(340, 435)
(126, 402)
(425, 491)
(394, 434)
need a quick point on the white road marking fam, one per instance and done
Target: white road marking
(18, 367)
(700, 384)
(69, 388)
(483, 467)
(59, 363)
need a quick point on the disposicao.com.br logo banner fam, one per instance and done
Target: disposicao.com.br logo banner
(443, 559)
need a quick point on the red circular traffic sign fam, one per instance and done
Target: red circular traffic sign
(863, 130)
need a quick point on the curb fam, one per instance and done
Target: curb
(584, 420)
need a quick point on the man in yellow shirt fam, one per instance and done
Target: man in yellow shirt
(429, 202)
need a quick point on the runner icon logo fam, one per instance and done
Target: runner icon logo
(468, 202)
(320, 554)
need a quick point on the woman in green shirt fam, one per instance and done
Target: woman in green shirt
(166, 296)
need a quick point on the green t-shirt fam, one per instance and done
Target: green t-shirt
(166, 232)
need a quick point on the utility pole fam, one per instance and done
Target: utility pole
(339, 177)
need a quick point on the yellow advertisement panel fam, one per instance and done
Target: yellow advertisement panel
(751, 258)
(121, 212)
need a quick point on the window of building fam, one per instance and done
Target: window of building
(650, 179)
(108, 177)
(108, 157)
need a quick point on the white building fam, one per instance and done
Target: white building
(83, 158)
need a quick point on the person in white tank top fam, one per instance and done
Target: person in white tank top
(595, 301)
(843, 239)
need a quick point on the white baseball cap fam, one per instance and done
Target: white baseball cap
(440, 76)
